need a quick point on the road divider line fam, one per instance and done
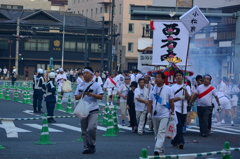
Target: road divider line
(36, 126)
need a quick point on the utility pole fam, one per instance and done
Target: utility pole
(17, 44)
(63, 38)
(102, 45)
(110, 61)
(86, 45)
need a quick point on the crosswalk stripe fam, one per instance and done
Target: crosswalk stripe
(222, 131)
(230, 129)
(18, 129)
(40, 127)
(66, 126)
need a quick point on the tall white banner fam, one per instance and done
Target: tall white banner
(170, 38)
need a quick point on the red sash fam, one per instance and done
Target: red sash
(205, 92)
(113, 82)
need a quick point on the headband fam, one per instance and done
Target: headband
(87, 70)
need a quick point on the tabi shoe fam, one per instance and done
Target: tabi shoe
(217, 124)
(232, 123)
(87, 151)
(223, 121)
(123, 123)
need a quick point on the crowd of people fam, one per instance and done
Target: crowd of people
(143, 100)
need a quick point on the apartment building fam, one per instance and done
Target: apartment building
(60, 5)
(126, 44)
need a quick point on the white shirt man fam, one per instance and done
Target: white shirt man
(138, 76)
(159, 105)
(61, 77)
(119, 79)
(110, 86)
(122, 92)
(98, 79)
(141, 98)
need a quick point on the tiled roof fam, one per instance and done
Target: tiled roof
(53, 17)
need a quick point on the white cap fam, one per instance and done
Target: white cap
(51, 75)
(14, 70)
(60, 69)
(40, 71)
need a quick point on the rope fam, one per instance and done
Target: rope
(38, 118)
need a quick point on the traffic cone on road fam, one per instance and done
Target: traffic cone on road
(1, 93)
(44, 138)
(99, 117)
(28, 100)
(80, 139)
(110, 126)
(24, 97)
(59, 103)
(16, 96)
(69, 106)
(1, 147)
(115, 121)
(105, 116)
(7, 96)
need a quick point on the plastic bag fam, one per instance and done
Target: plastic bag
(171, 129)
(82, 109)
(67, 86)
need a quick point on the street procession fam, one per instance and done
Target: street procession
(145, 79)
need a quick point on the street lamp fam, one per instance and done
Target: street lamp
(63, 36)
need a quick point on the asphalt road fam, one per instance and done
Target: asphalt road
(126, 145)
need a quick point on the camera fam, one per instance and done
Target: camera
(80, 90)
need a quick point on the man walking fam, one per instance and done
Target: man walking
(159, 105)
(110, 85)
(91, 92)
(204, 94)
(182, 94)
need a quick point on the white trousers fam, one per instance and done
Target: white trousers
(140, 116)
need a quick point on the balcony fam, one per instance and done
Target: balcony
(105, 15)
(105, 2)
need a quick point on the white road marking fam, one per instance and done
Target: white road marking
(66, 126)
(36, 126)
(18, 129)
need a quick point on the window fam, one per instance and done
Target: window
(86, 12)
(91, 13)
(82, 12)
(130, 27)
(70, 46)
(130, 47)
(105, 9)
(3, 43)
(101, 10)
(43, 45)
(120, 28)
(37, 45)
(80, 47)
(96, 11)
(120, 8)
(147, 29)
(95, 47)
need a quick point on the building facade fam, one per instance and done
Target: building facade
(128, 31)
(38, 36)
(60, 5)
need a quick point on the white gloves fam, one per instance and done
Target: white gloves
(182, 97)
(171, 117)
(149, 116)
(219, 108)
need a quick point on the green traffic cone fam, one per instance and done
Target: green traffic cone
(59, 103)
(227, 148)
(115, 122)
(80, 139)
(110, 126)
(28, 100)
(99, 117)
(16, 96)
(1, 93)
(1, 147)
(44, 138)
(115, 97)
(24, 98)
(105, 117)
(7, 96)
(69, 106)
(144, 154)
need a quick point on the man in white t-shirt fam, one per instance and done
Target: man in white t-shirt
(61, 77)
(97, 78)
(204, 93)
(5, 71)
(182, 94)
(133, 75)
(141, 100)
(110, 85)
(138, 76)
(119, 79)
(159, 105)
(122, 92)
